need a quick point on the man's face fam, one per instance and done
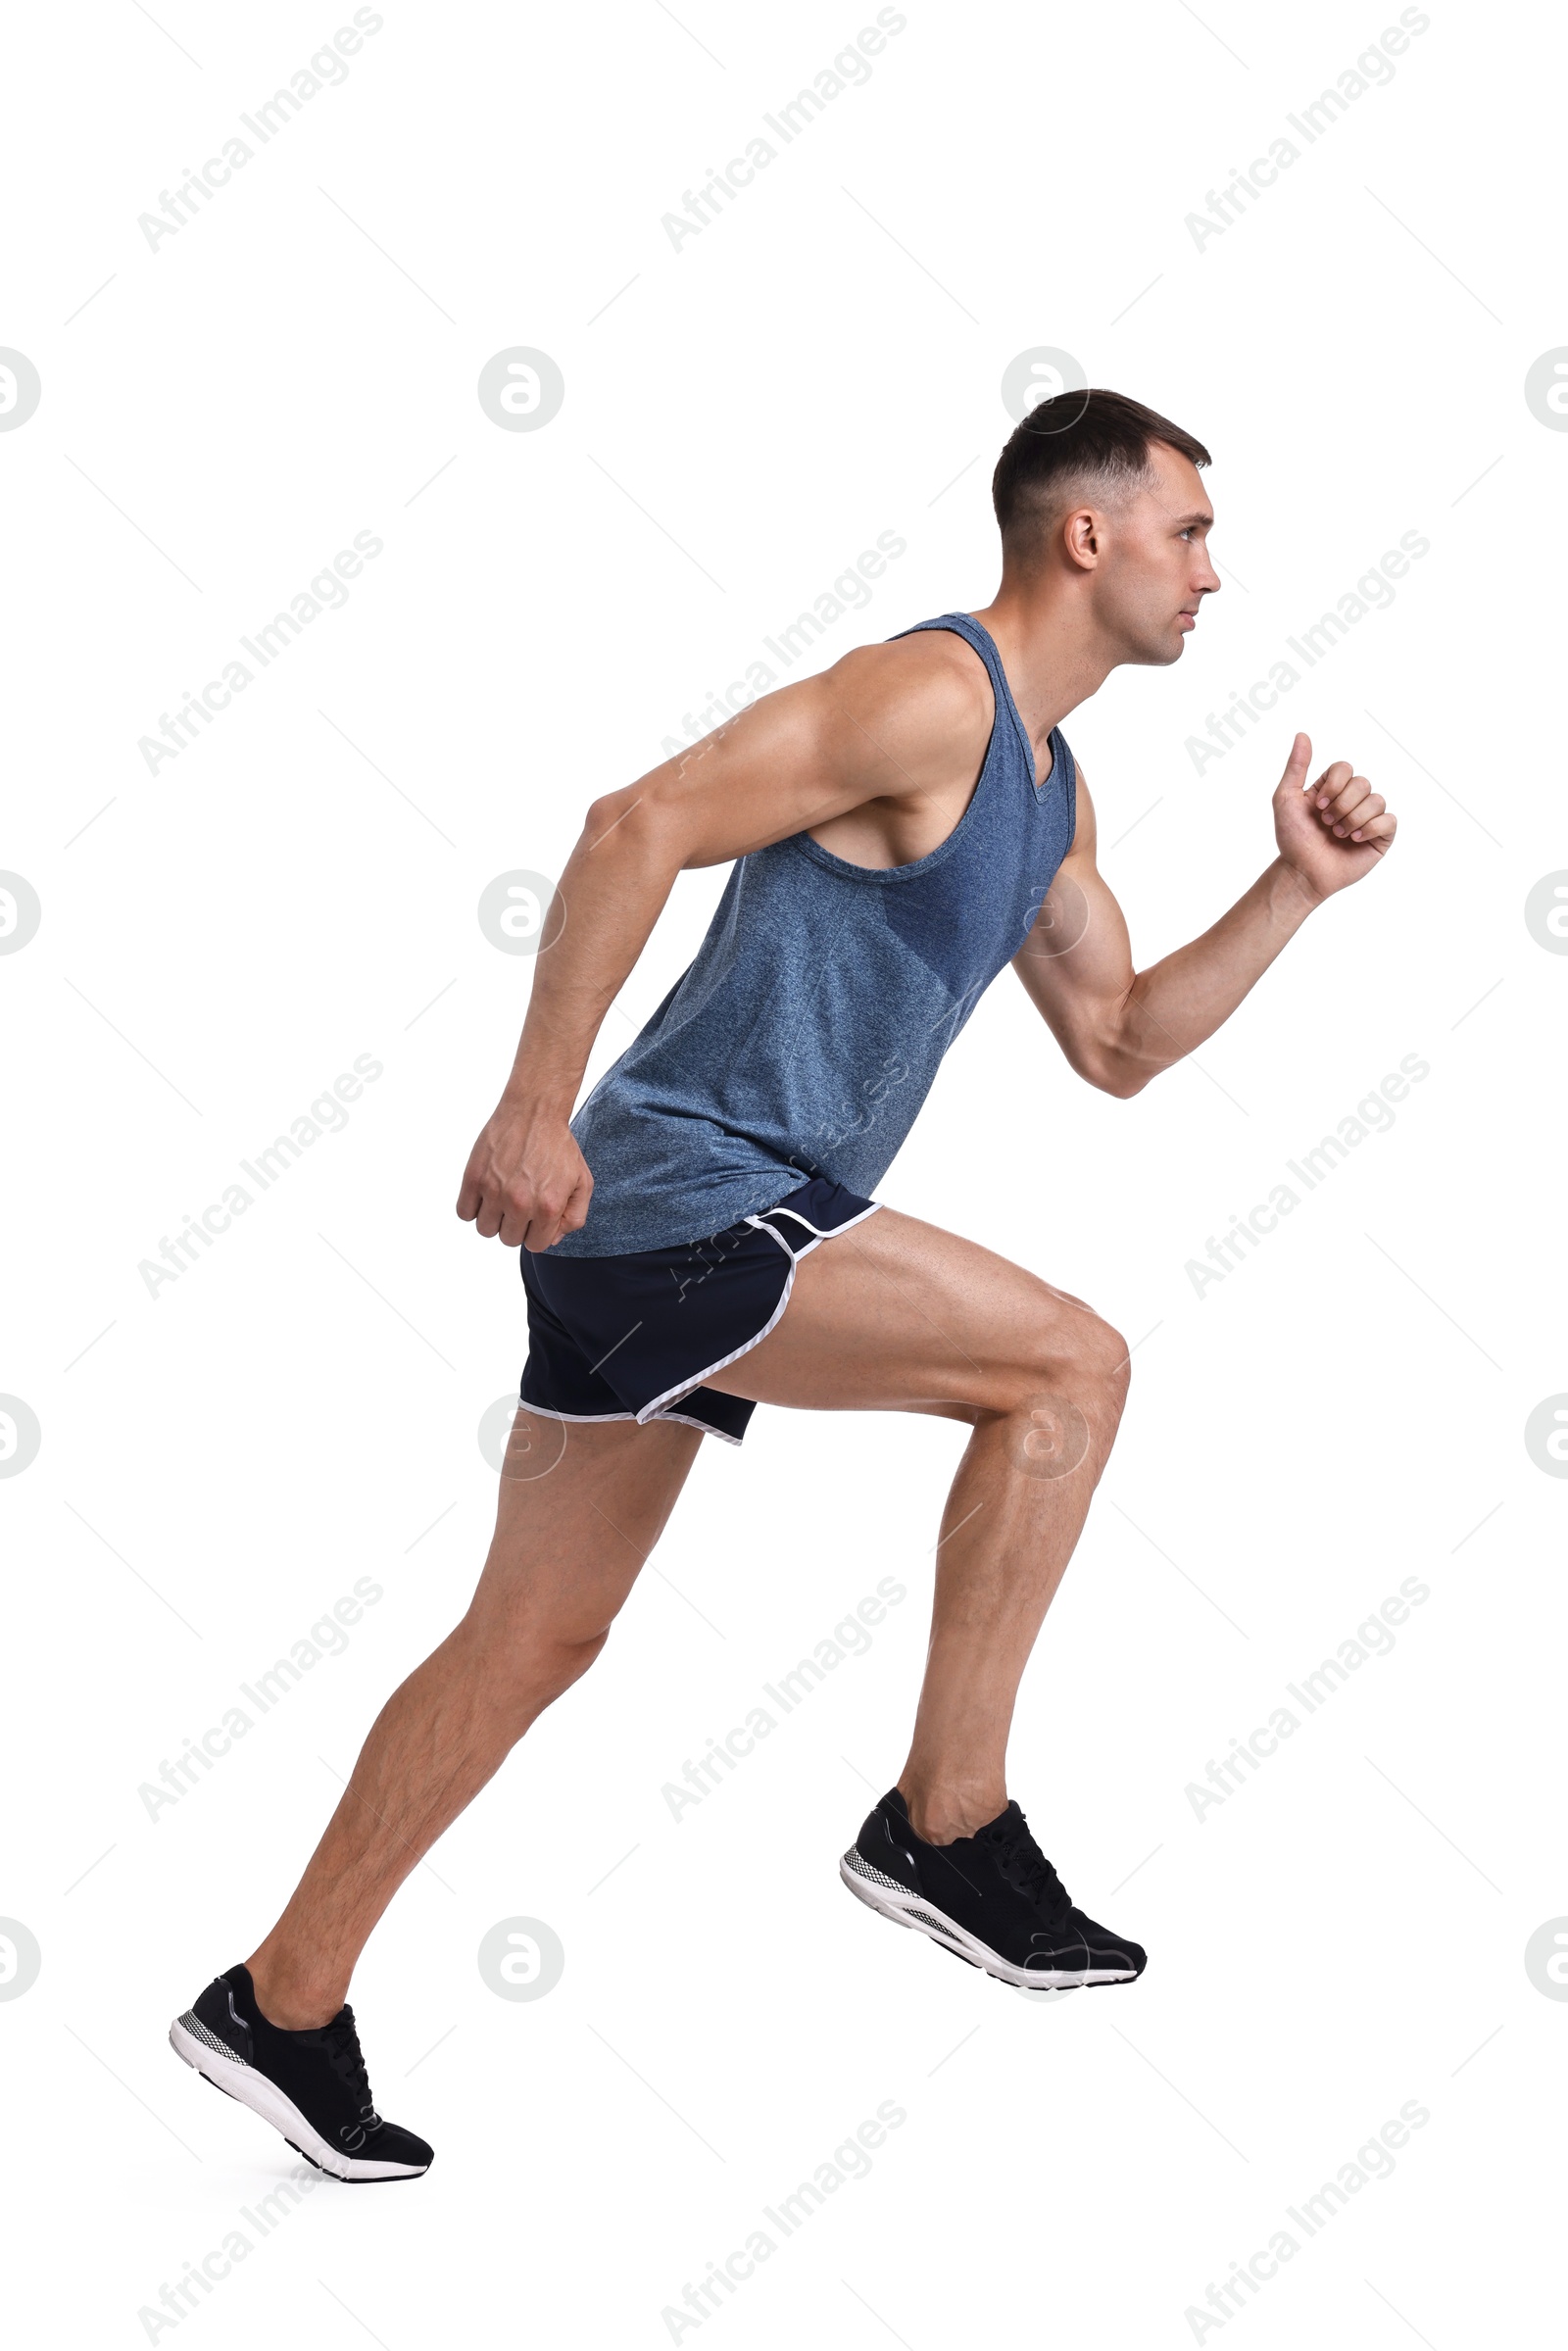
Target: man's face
(1154, 570)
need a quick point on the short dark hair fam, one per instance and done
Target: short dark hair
(1102, 436)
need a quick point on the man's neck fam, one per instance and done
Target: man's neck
(1052, 654)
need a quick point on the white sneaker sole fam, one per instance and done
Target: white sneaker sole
(263, 2097)
(893, 1901)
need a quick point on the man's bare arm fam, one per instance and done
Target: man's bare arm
(887, 723)
(1119, 1027)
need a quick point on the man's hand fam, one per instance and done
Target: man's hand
(525, 1179)
(1332, 832)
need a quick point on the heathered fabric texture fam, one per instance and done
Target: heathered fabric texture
(805, 1034)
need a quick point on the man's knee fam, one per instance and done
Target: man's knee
(528, 1663)
(1082, 1362)
(562, 1659)
(1104, 1358)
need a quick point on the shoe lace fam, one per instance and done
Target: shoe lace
(347, 2060)
(1026, 1867)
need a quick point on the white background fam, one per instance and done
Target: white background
(1345, 1933)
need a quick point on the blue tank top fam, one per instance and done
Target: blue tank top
(805, 1034)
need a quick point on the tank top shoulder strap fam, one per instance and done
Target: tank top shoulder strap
(961, 625)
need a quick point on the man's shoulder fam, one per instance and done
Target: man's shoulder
(931, 686)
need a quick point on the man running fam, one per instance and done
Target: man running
(702, 1238)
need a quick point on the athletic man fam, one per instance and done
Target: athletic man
(702, 1237)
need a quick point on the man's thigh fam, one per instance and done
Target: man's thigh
(898, 1315)
(580, 1506)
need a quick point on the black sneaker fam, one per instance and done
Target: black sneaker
(310, 2086)
(992, 1898)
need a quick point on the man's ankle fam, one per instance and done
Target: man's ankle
(939, 1815)
(292, 2005)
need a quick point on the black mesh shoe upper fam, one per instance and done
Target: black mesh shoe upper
(323, 2072)
(999, 1887)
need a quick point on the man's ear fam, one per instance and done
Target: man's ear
(1081, 535)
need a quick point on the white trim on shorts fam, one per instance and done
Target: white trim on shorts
(683, 1387)
(549, 1412)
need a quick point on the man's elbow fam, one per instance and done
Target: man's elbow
(1101, 1039)
(607, 814)
(1120, 1079)
(636, 822)
(1111, 1070)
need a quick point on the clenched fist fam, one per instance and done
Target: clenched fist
(525, 1180)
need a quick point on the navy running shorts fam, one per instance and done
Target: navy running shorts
(634, 1337)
